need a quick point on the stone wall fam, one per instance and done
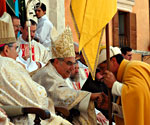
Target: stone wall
(57, 14)
(55, 11)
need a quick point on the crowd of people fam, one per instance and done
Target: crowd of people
(52, 73)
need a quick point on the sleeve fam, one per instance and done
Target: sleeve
(45, 32)
(116, 88)
(96, 111)
(62, 95)
(135, 96)
(83, 105)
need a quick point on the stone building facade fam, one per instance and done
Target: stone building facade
(129, 27)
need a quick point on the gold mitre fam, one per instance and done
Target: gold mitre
(63, 46)
(7, 34)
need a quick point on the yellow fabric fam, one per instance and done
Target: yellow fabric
(135, 98)
(91, 17)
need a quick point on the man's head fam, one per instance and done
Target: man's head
(126, 52)
(24, 30)
(9, 50)
(63, 53)
(8, 45)
(115, 60)
(16, 24)
(40, 10)
(64, 66)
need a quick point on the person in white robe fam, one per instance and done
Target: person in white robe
(40, 55)
(77, 78)
(53, 77)
(44, 26)
(74, 83)
(16, 86)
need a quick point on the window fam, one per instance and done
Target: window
(124, 29)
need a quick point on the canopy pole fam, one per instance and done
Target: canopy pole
(108, 67)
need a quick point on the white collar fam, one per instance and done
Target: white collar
(22, 40)
(43, 17)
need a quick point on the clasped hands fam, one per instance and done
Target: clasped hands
(109, 78)
(101, 99)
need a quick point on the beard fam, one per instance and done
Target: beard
(75, 78)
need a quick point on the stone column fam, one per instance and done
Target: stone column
(56, 14)
(55, 11)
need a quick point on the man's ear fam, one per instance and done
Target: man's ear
(114, 60)
(6, 50)
(123, 55)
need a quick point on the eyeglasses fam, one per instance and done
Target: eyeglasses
(69, 63)
(17, 26)
(17, 48)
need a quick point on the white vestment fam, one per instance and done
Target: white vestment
(62, 95)
(39, 54)
(17, 88)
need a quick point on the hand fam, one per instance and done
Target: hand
(3, 111)
(109, 78)
(26, 57)
(103, 103)
(96, 96)
(39, 65)
(101, 118)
